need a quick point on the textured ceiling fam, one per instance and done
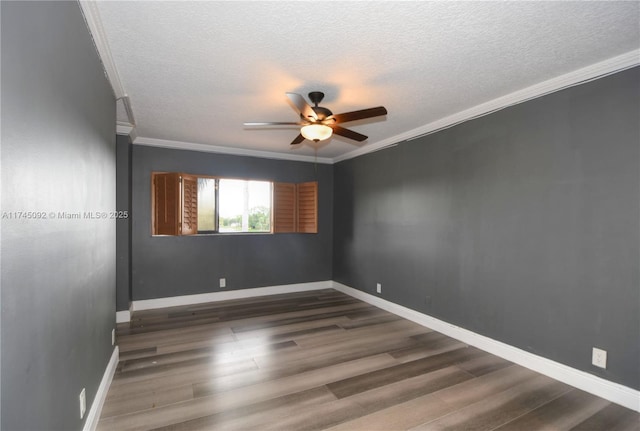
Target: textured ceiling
(195, 71)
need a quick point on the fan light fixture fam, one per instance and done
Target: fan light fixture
(314, 119)
(316, 132)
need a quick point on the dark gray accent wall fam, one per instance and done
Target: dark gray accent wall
(58, 275)
(522, 225)
(123, 222)
(184, 265)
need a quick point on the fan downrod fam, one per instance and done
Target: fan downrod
(316, 97)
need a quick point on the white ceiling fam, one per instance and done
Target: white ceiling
(195, 71)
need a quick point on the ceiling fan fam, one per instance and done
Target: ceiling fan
(319, 123)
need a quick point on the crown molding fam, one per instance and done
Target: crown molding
(126, 104)
(580, 76)
(124, 128)
(178, 145)
(94, 23)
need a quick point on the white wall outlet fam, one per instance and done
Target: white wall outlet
(599, 358)
(113, 336)
(83, 403)
(378, 287)
(223, 282)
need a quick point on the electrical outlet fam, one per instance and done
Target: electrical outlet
(83, 403)
(378, 287)
(599, 358)
(113, 336)
(223, 282)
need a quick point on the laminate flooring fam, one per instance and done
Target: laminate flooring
(322, 360)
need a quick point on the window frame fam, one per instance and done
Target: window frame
(310, 213)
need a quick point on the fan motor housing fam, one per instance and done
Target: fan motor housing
(321, 112)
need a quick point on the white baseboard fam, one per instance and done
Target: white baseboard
(613, 392)
(123, 316)
(98, 401)
(148, 304)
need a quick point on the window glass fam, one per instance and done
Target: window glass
(244, 206)
(206, 204)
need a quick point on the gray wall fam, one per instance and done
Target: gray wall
(173, 266)
(123, 225)
(522, 225)
(57, 276)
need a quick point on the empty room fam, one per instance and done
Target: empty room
(358, 215)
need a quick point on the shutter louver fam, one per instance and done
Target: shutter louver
(307, 202)
(189, 205)
(284, 207)
(166, 192)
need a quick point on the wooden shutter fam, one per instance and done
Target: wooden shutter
(166, 203)
(284, 207)
(307, 203)
(189, 222)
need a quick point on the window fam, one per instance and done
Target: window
(185, 204)
(245, 206)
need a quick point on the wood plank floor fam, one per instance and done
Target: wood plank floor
(322, 360)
